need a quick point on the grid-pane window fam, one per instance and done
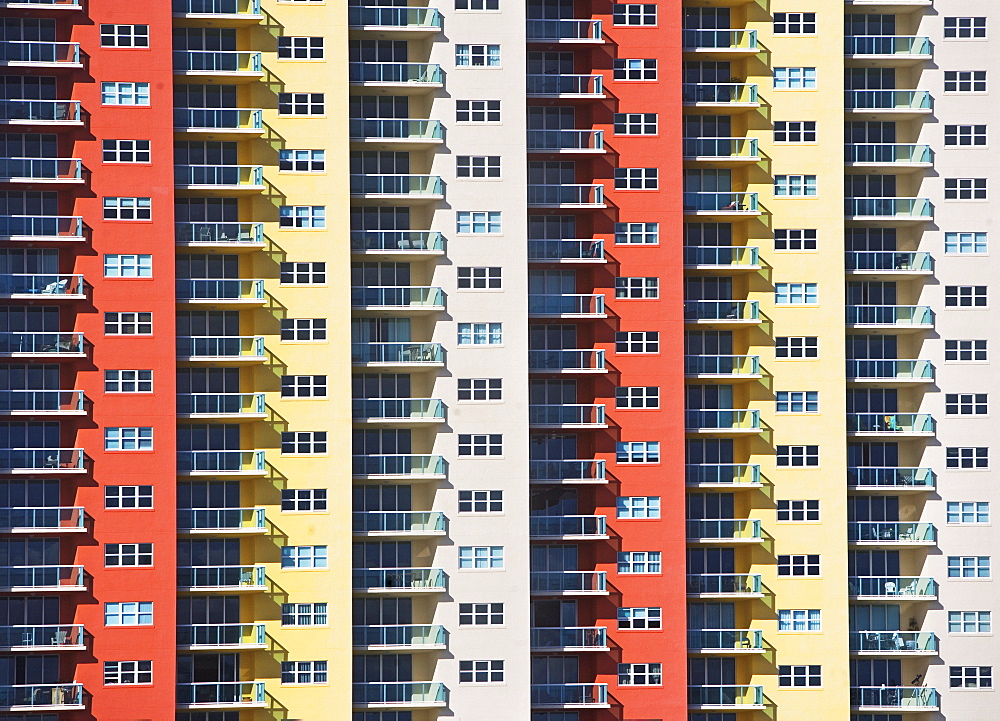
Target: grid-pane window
(968, 512)
(477, 166)
(970, 676)
(128, 266)
(796, 347)
(480, 444)
(640, 619)
(303, 672)
(799, 565)
(795, 131)
(635, 69)
(480, 614)
(637, 233)
(479, 278)
(480, 389)
(797, 456)
(639, 562)
(638, 507)
(799, 619)
(794, 186)
(637, 341)
(976, 457)
(304, 499)
(128, 554)
(125, 151)
(128, 381)
(302, 273)
(303, 442)
(480, 334)
(794, 24)
(969, 622)
(640, 674)
(638, 287)
(966, 404)
(480, 671)
(480, 557)
(128, 496)
(965, 136)
(800, 676)
(119, 673)
(128, 439)
(965, 350)
(637, 452)
(635, 124)
(798, 510)
(302, 216)
(128, 323)
(795, 239)
(303, 386)
(125, 93)
(477, 111)
(477, 221)
(303, 614)
(634, 13)
(797, 401)
(965, 296)
(794, 78)
(965, 28)
(304, 556)
(965, 188)
(968, 566)
(795, 293)
(124, 36)
(477, 56)
(965, 243)
(302, 161)
(637, 397)
(300, 48)
(965, 81)
(129, 613)
(301, 104)
(480, 501)
(303, 329)
(637, 178)
(482, 5)
(127, 208)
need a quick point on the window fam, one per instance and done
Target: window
(968, 512)
(128, 554)
(978, 458)
(477, 166)
(797, 401)
(125, 151)
(969, 622)
(307, 48)
(635, 124)
(637, 397)
(965, 81)
(795, 131)
(480, 389)
(301, 104)
(303, 329)
(798, 510)
(302, 216)
(637, 288)
(640, 619)
(640, 341)
(634, 507)
(794, 186)
(965, 28)
(302, 161)
(636, 178)
(799, 676)
(640, 674)
(128, 266)
(965, 136)
(303, 386)
(965, 188)
(128, 209)
(124, 93)
(480, 671)
(965, 243)
(970, 676)
(302, 273)
(477, 221)
(303, 499)
(795, 293)
(303, 672)
(965, 404)
(304, 556)
(477, 4)
(637, 452)
(127, 672)
(965, 350)
(796, 347)
(480, 501)
(799, 619)
(634, 14)
(480, 614)
(130, 613)
(797, 456)
(128, 381)
(637, 233)
(128, 323)
(965, 296)
(794, 24)
(639, 562)
(128, 439)
(124, 36)
(479, 278)
(303, 614)
(480, 444)
(795, 239)
(798, 565)
(634, 69)
(128, 496)
(303, 442)
(477, 111)
(477, 56)
(968, 566)
(480, 557)
(794, 78)
(480, 333)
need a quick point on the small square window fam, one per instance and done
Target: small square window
(800, 676)
(303, 672)
(480, 444)
(480, 672)
(130, 613)
(970, 677)
(478, 222)
(480, 557)
(641, 397)
(631, 562)
(637, 452)
(128, 208)
(805, 619)
(121, 673)
(479, 278)
(480, 334)
(128, 323)
(968, 566)
(304, 614)
(128, 554)
(634, 507)
(304, 386)
(969, 622)
(125, 94)
(795, 78)
(795, 186)
(119, 497)
(300, 48)
(128, 439)
(640, 674)
(966, 404)
(302, 217)
(968, 512)
(302, 273)
(640, 619)
(304, 557)
(796, 294)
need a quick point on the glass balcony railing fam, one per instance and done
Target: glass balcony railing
(889, 100)
(398, 128)
(896, 478)
(220, 176)
(551, 250)
(41, 227)
(396, 73)
(721, 256)
(901, 532)
(221, 519)
(41, 111)
(570, 414)
(722, 419)
(560, 582)
(563, 84)
(397, 409)
(921, 423)
(712, 639)
(738, 584)
(893, 642)
(569, 694)
(41, 170)
(41, 284)
(717, 529)
(721, 148)
(559, 526)
(42, 518)
(41, 402)
(220, 462)
(888, 153)
(723, 474)
(734, 40)
(566, 304)
(397, 240)
(402, 522)
(220, 404)
(219, 119)
(896, 208)
(398, 579)
(41, 459)
(890, 261)
(399, 693)
(408, 18)
(429, 185)
(890, 315)
(892, 587)
(566, 360)
(403, 353)
(415, 637)
(398, 465)
(590, 195)
(894, 45)
(895, 697)
(51, 638)
(570, 637)
(220, 289)
(50, 578)
(228, 577)
(722, 365)
(566, 471)
(44, 4)
(216, 7)
(712, 202)
(221, 634)
(887, 370)
(221, 693)
(233, 347)
(70, 344)
(553, 141)
(735, 696)
(248, 234)
(39, 52)
(42, 696)
(720, 93)
(562, 30)
(225, 62)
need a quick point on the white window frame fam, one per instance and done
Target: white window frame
(301, 47)
(303, 330)
(787, 78)
(304, 443)
(637, 397)
(302, 217)
(797, 456)
(965, 136)
(304, 615)
(961, 243)
(965, 28)
(646, 563)
(635, 124)
(129, 37)
(128, 381)
(471, 335)
(636, 342)
(800, 620)
(304, 673)
(637, 507)
(304, 386)
(480, 445)
(299, 558)
(640, 674)
(127, 498)
(477, 112)
(800, 676)
(304, 500)
(795, 186)
(966, 404)
(478, 222)
(477, 167)
(128, 555)
(479, 278)
(981, 622)
(301, 161)
(796, 293)
(973, 458)
(795, 240)
(637, 233)
(128, 673)
(637, 178)
(128, 613)
(301, 105)
(966, 296)
(129, 152)
(477, 55)
(965, 82)
(127, 209)
(481, 672)
(123, 94)
(967, 189)
(480, 558)
(640, 618)
(634, 69)
(637, 452)
(796, 347)
(480, 390)
(299, 273)
(637, 288)
(794, 132)
(128, 438)
(800, 565)
(796, 402)
(634, 14)
(967, 513)
(971, 677)
(117, 265)
(797, 23)
(472, 615)
(798, 511)
(480, 502)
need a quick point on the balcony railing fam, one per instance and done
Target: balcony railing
(397, 353)
(44, 4)
(396, 129)
(399, 693)
(889, 100)
(221, 693)
(221, 519)
(725, 639)
(42, 518)
(722, 365)
(227, 577)
(590, 195)
(723, 474)
(216, 7)
(888, 370)
(559, 526)
(570, 414)
(396, 73)
(221, 233)
(228, 347)
(888, 153)
(41, 459)
(720, 93)
(397, 240)
(221, 634)
(566, 304)
(550, 250)
(893, 532)
(398, 465)
(567, 29)
(566, 471)
(889, 261)
(566, 360)
(414, 637)
(569, 637)
(553, 141)
(36, 284)
(892, 587)
(899, 45)
(398, 579)
(721, 148)
(893, 642)
(735, 40)
(863, 477)
(41, 227)
(428, 185)
(569, 582)
(226, 62)
(921, 423)
(41, 169)
(893, 208)
(734, 696)
(399, 522)
(41, 344)
(414, 18)
(718, 529)
(890, 315)
(41, 111)
(248, 119)
(397, 409)
(50, 578)
(41, 402)
(220, 176)
(220, 289)
(220, 462)
(562, 85)
(722, 256)
(40, 52)
(214, 404)
(722, 419)
(50, 638)
(739, 584)
(713, 202)
(42, 696)
(569, 694)
(895, 697)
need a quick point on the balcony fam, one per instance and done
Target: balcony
(230, 349)
(34, 286)
(220, 11)
(724, 476)
(221, 578)
(399, 523)
(901, 318)
(230, 178)
(220, 291)
(398, 133)
(226, 463)
(569, 695)
(221, 695)
(727, 258)
(221, 636)
(41, 228)
(566, 471)
(583, 142)
(890, 263)
(404, 76)
(39, 54)
(44, 639)
(566, 361)
(583, 87)
(872, 478)
(231, 237)
(42, 697)
(893, 588)
(723, 96)
(47, 460)
(721, 204)
(567, 30)
(397, 411)
(722, 367)
(220, 521)
(566, 196)
(569, 639)
(730, 421)
(898, 699)
(397, 243)
(397, 187)
(888, 5)
(570, 415)
(721, 150)
(891, 533)
(409, 20)
(897, 157)
(234, 65)
(894, 372)
(726, 641)
(398, 580)
(545, 250)
(401, 355)
(219, 121)
(42, 4)
(41, 403)
(724, 585)
(738, 698)
(42, 519)
(569, 583)
(566, 305)
(399, 467)
(723, 530)
(568, 528)
(40, 112)
(892, 103)
(399, 694)
(41, 170)
(902, 210)
(31, 579)
(403, 638)
(723, 43)
(231, 406)
(892, 49)
(893, 643)
(898, 425)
